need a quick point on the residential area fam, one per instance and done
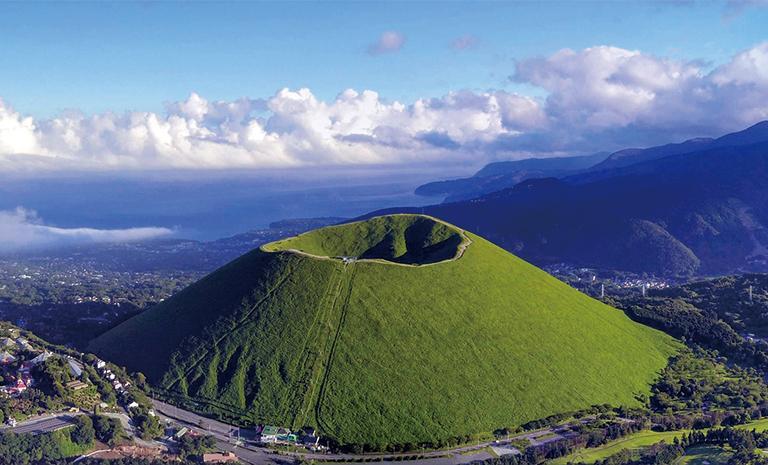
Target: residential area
(47, 389)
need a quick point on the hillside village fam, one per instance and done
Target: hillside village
(597, 282)
(46, 388)
(42, 378)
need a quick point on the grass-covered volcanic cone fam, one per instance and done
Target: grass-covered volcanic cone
(397, 329)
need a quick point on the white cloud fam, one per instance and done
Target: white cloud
(21, 229)
(621, 93)
(749, 67)
(17, 133)
(604, 87)
(388, 42)
(600, 98)
(292, 128)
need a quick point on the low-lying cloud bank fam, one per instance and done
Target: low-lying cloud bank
(598, 98)
(22, 230)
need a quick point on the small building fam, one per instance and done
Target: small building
(41, 358)
(180, 433)
(271, 434)
(6, 342)
(17, 388)
(99, 364)
(24, 344)
(6, 358)
(309, 438)
(219, 458)
(75, 369)
(287, 438)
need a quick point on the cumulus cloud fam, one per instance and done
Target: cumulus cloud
(292, 128)
(605, 87)
(17, 133)
(618, 93)
(22, 229)
(599, 98)
(388, 42)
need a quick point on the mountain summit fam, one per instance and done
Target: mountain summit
(397, 329)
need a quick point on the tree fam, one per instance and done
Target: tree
(108, 430)
(148, 425)
(191, 446)
(141, 380)
(83, 432)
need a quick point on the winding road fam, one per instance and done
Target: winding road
(227, 434)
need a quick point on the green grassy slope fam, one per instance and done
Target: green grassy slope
(379, 352)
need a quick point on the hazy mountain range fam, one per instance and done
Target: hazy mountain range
(504, 174)
(697, 207)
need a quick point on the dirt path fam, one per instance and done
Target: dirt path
(460, 249)
(329, 363)
(316, 366)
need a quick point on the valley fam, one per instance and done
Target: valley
(325, 368)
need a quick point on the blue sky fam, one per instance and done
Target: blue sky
(129, 86)
(297, 94)
(136, 56)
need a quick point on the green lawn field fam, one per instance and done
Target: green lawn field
(641, 440)
(757, 425)
(634, 441)
(704, 455)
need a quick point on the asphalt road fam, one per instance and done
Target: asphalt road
(43, 425)
(208, 425)
(225, 435)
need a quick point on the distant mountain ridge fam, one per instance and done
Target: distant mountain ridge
(696, 212)
(627, 157)
(504, 174)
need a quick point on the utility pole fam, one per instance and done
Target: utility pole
(602, 291)
(644, 287)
